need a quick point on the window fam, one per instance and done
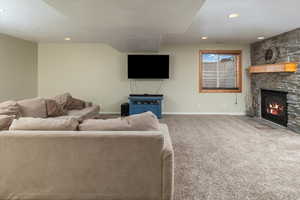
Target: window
(220, 71)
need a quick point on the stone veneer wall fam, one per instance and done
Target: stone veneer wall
(288, 45)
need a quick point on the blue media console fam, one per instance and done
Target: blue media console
(144, 103)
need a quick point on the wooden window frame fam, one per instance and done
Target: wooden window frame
(238, 69)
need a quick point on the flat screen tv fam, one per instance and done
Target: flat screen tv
(148, 66)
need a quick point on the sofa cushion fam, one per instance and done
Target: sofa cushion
(141, 122)
(63, 100)
(54, 109)
(49, 124)
(78, 118)
(9, 108)
(5, 121)
(33, 108)
(86, 113)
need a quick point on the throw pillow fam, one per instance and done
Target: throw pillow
(146, 121)
(9, 108)
(88, 104)
(64, 100)
(49, 124)
(33, 108)
(75, 104)
(54, 109)
(5, 121)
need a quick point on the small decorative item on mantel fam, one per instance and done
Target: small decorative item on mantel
(272, 55)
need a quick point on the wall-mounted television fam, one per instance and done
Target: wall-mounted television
(148, 66)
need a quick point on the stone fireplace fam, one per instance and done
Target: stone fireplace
(285, 48)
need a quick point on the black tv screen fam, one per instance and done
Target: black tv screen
(148, 66)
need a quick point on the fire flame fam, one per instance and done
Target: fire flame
(274, 109)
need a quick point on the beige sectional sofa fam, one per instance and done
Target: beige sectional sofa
(53, 152)
(107, 165)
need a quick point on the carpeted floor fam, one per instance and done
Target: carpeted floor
(233, 158)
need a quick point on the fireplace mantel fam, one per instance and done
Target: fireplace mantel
(271, 68)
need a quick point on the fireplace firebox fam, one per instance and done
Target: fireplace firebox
(274, 106)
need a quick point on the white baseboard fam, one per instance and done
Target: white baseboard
(203, 113)
(185, 113)
(110, 113)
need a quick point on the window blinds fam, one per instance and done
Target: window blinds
(219, 71)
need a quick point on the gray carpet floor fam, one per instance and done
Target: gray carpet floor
(234, 158)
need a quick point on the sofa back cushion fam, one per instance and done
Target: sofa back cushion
(54, 109)
(9, 108)
(117, 124)
(5, 121)
(33, 108)
(141, 122)
(49, 124)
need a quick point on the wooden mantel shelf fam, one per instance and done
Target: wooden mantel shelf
(280, 67)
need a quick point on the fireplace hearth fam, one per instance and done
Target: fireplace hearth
(274, 106)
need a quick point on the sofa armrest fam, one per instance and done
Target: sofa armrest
(167, 165)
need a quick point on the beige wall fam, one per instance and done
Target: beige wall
(97, 72)
(18, 68)
(89, 71)
(182, 89)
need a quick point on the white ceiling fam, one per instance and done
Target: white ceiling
(143, 25)
(128, 25)
(257, 18)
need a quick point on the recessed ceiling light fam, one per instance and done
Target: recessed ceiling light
(233, 15)
(1, 10)
(67, 38)
(204, 38)
(261, 38)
